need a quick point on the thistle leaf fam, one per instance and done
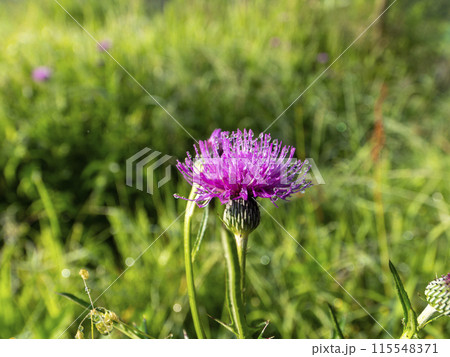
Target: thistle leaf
(200, 234)
(409, 315)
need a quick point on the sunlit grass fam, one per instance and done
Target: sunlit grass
(64, 204)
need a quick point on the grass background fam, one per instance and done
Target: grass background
(376, 124)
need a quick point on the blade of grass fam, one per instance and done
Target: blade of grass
(77, 300)
(336, 326)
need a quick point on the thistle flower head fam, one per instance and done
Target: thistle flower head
(239, 166)
(438, 294)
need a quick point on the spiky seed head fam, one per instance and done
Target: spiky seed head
(104, 321)
(438, 294)
(242, 216)
(112, 316)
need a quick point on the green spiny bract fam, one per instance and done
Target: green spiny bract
(438, 294)
(242, 216)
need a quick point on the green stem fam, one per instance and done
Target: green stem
(189, 267)
(425, 316)
(241, 245)
(234, 283)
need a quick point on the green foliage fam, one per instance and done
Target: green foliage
(337, 329)
(409, 315)
(76, 300)
(63, 145)
(127, 330)
(200, 234)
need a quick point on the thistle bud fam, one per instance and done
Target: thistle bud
(84, 274)
(438, 294)
(242, 216)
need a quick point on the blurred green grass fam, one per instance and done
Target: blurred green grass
(63, 199)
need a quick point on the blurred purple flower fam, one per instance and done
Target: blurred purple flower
(104, 45)
(322, 57)
(41, 74)
(237, 166)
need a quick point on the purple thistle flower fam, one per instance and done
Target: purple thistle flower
(215, 137)
(238, 166)
(104, 45)
(41, 74)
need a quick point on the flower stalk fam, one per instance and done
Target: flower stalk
(234, 283)
(240, 217)
(241, 246)
(189, 266)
